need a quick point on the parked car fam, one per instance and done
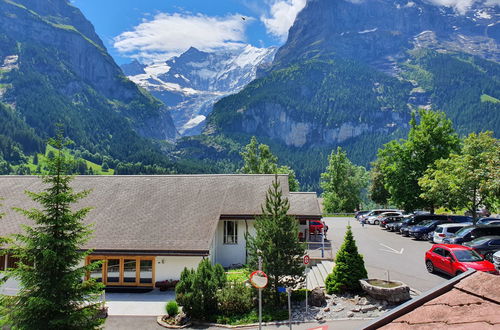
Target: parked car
(375, 213)
(358, 214)
(421, 230)
(447, 230)
(315, 227)
(469, 233)
(492, 223)
(387, 220)
(496, 260)
(486, 245)
(419, 218)
(375, 219)
(455, 259)
(396, 225)
(486, 220)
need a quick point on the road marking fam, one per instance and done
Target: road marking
(389, 249)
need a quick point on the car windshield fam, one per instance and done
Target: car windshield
(315, 223)
(462, 232)
(426, 223)
(467, 255)
(479, 241)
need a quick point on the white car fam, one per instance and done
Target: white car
(447, 230)
(375, 219)
(496, 260)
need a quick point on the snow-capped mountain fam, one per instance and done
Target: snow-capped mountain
(191, 83)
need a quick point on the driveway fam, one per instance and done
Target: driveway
(145, 304)
(387, 254)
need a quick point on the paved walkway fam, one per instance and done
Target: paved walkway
(145, 304)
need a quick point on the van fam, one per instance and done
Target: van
(469, 233)
(447, 230)
(375, 213)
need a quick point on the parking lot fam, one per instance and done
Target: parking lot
(386, 253)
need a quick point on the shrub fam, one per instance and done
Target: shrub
(172, 308)
(197, 289)
(299, 295)
(235, 298)
(349, 268)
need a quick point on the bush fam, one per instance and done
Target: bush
(166, 285)
(172, 308)
(197, 289)
(299, 295)
(349, 268)
(235, 298)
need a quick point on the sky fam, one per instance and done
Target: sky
(154, 30)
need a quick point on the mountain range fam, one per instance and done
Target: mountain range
(350, 74)
(191, 83)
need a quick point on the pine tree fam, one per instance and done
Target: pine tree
(53, 294)
(349, 268)
(277, 242)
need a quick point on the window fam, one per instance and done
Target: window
(439, 251)
(123, 270)
(2, 262)
(230, 232)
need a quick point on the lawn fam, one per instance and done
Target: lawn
(238, 275)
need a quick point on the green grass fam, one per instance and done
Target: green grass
(239, 275)
(488, 98)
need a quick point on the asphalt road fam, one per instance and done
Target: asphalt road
(387, 253)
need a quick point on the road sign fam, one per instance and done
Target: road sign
(306, 260)
(258, 279)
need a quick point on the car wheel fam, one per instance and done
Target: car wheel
(376, 222)
(489, 256)
(429, 266)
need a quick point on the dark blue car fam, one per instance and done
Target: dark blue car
(421, 230)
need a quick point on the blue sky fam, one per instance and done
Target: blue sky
(152, 30)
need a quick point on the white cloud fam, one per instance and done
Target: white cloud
(281, 16)
(461, 6)
(167, 35)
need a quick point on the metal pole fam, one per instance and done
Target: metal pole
(260, 297)
(288, 290)
(323, 242)
(307, 303)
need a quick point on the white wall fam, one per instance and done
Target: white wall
(170, 267)
(228, 254)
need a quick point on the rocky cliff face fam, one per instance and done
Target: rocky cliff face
(378, 31)
(60, 31)
(191, 83)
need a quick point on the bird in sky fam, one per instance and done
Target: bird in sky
(243, 18)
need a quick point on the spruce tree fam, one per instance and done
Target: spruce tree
(277, 242)
(53, 293)
(349, 268)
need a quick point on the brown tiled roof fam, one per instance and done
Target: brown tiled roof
(160, 213)
(472, 303)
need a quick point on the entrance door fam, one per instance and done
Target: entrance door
(113, 271)
(130, 275)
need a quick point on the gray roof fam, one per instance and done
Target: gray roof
(156, 213)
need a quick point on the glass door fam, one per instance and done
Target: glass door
(97, 272)
(146, 272)
(113, 271)
(130, 272)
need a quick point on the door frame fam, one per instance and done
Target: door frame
(121, 282)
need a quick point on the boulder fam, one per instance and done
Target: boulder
(181, 318)
(317, 297)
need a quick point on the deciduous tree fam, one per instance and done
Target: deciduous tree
(342, 183)
(468, 179)
(404, 162)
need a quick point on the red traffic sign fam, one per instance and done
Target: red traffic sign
(306, 260)
(258, 279)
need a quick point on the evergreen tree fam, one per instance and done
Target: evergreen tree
(258, 159)
(277, 241)
(349, 268)
(342, 183)
(53, 294)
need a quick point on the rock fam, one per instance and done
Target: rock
(317, 297)
(350, 314)
(328, 296)
(181, 318)
(319, 317)
(368, 308)
(326, 310)
(363, 301)
(356, 309)
(340, 309)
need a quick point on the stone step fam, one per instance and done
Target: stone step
(319, 277)
(311, 280)
(328, 265)
(324, 272)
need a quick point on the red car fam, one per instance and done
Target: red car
(455, 259)
(315, 227)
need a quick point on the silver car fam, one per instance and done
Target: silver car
(447, 230)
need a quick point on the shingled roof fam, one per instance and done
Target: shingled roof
(471, 301)
(169, 213)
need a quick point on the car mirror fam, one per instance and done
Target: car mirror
(448, 259)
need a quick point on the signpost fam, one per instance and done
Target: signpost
(306, 262)
(259, 280)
